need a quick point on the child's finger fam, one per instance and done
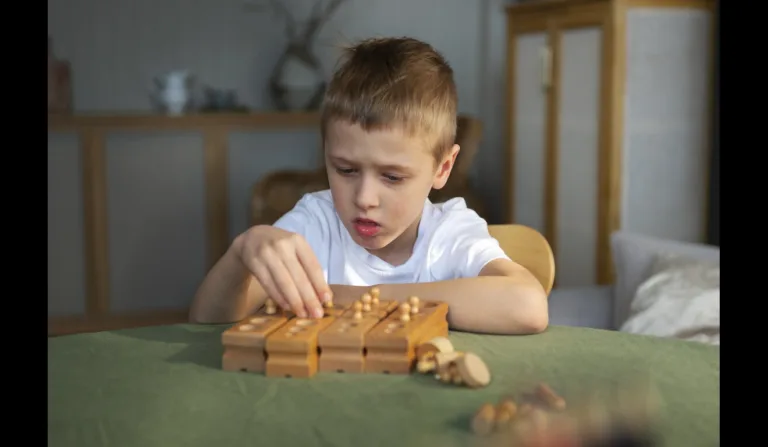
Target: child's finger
(261, 272)
(285, 284)
(304, 287)
(314, 271)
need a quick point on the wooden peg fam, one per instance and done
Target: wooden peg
(366, 300)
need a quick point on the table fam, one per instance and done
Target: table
(163, 386)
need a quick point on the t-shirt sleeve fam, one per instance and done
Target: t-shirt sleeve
(462, 245)
(308, 219)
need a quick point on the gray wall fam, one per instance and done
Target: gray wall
(155, 180)
(155, 190)
(116, 46)
(714, 187)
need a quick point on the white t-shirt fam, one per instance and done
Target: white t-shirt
(453, 242)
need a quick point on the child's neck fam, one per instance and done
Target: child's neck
(399, 250)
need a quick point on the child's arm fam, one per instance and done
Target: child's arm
(278, 259)
(504, 299)
(228, 293)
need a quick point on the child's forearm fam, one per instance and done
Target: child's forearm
(486, 304)
(228, 293)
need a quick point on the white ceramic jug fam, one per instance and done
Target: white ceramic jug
(173, 91)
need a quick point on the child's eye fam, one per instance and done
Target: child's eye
(392, 178)
(345, 171)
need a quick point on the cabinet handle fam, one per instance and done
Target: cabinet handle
(546, 67)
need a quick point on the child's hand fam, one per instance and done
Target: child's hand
(287, 269)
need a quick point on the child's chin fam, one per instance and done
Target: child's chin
(371, 243)
(376, 242)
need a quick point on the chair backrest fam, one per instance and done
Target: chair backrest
(469, 134)
(529, 248)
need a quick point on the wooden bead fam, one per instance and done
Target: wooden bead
(484, 420)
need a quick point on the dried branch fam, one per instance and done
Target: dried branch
(279, 10)
(319, 17)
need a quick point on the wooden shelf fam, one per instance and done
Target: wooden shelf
(570, 6)
(198, 121)
(93, 130)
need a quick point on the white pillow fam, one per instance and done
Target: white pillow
(679, 299)
(633, 258)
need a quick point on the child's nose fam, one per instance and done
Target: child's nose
(366, 196)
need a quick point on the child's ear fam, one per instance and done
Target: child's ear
(445, 167)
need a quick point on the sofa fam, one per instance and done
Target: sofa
(658, 283)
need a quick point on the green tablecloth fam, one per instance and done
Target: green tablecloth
(163, 386)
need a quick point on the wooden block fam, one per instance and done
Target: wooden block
(327, 311)
(380, 312)
(443, 361)
(391, 345)
(429, 348)
(473, 370)
(281, 345)
(245, 342)
(342, 343)
(292, 349)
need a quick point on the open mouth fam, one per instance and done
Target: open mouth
(366, 227)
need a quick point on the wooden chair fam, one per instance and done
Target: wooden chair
(528, 248)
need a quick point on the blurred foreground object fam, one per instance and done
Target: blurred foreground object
(622, 415)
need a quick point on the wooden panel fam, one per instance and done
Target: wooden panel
(537, 15)
(157, 233)
(145, 251)
(555, 6)
(551, 143)
(95, 223)
(216, 194)
(578, 156)
(66, 257)
(611, 159)
(679, 4)
(145, 121)
(528, 130)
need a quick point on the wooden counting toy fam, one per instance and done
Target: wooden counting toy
(244, 343)
(471, 371)
(343, 344)
(437, 356)
(428, 353)
(291, 351)
(371, 335)
(391, 344)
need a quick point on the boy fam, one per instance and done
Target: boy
(388, 126)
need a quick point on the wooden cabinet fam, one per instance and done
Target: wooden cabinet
(609, 112)
(140, 207)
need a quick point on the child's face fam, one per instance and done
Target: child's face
(379, 181)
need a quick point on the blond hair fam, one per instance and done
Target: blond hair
(388, 83)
